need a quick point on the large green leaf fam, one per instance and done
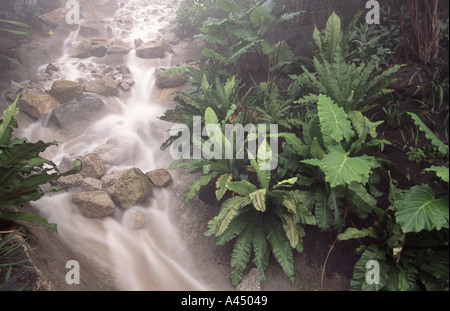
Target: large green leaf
(14, 216)
(365, 275)
(259, 199)
(324, 216)
(7, 121)
(198, 184)
(221, 185)
(443, 148)
(340, 169)
(281, 247)
(243, 187)
(332, 35)
(441, 171)
(353, 233)
(422, 209)
(333, 120)
(241, 255)
(260, 246)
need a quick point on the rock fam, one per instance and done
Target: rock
(94, 204)
(125, 86)
(138, 42)
(251, 281)
(37, 105)
(160, 178)
(98, 50)
(108, 180)
(14, 90)
(135, 219)
(66, 90)
(132, 188)
(118, 46)
(57, 18)
(92, 166)
(82, 110)
(81, 50)
(51, 68)
(151, 49)
(104, 86)
(90, 183)
(90, 29)
(71, 181)
(169, 80)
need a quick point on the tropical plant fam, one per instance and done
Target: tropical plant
(13, 31)
(351, 86)
(23, 173)
(331, 164)
(410, 243)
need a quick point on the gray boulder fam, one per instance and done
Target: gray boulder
(37, 105)
(81, 50)
(92, 166)
(104, 86)
(160, 178)
(81, 111)
(98, 50)
(169, 80)
(71, 181)
(131, 188)
(66, 90)
(93, 184)
(94, 204)
(151, 49)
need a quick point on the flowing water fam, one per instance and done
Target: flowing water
(153, 257)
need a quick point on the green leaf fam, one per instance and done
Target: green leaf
(341, 169)
(198, 184)
(324, 216)
(287, 183)
(7, 122)
(29, 217)
(443, 148)
(332, 35)
(333, 120)
(221, 185)
(259, 199)
(260, 247)
(295, 142)
(280, 245)
(441, 171)
(243, 187)
(364, 272)
(361, 200)
(290, 228)
(422, 209)
(241, 255)
(353, 233)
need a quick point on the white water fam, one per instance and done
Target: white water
(151, 258)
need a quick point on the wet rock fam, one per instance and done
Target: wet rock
(251, 281)
(160, 178)
(36, 105)
(151, 49)
(132, 188)
(57, 18)
(90, 29)
(104, 86)
(81, 50)
(66, 90)
(90, 183)
(14, 90)
(81, 111)
(94, 204)
(71, 181)
(98, 50)
(92, 166)
(135, 219)
(138, 42)
(109, 179)
(169, 80)
(118, 46)
(51, 69)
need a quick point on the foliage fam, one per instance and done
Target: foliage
(351, 86)
(411, 243)
(13, 31)
(335, 172)
(23, 172)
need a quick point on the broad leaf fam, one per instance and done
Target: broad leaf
(366, 276)
(243, 187)
(333, 120)
(259, 199)
(422, 209)
(353, 233)
(221, 185)
(340, 169)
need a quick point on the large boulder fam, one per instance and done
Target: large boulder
(152, 49)
(80, 111)
(81, 49)
(38, 105)
(160, 178)
(169, 80)
(66, 90)
(92, 166)
(104, 86)
(94, 204)
(131, 188)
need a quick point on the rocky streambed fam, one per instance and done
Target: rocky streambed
(97, 89)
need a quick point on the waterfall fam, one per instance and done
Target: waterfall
(153, 257)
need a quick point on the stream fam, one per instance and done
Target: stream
(153, 257)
